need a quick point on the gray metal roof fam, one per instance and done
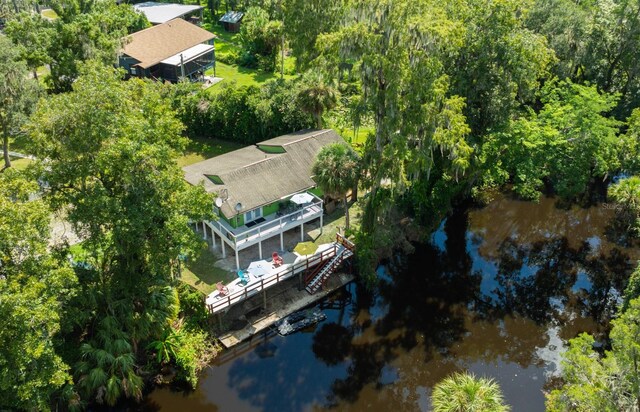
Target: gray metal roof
(255, 178)
(231, 17)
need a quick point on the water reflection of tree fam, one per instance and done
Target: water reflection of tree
(608, 275)
(426, 306)
(529, 276)
(537, 280)
(429, 295)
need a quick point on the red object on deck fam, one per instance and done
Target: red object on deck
(277, 260)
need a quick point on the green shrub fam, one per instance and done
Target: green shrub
(192, 307)
(193, 354)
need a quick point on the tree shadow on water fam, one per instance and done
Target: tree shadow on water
(425, 296)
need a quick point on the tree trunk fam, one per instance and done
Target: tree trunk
(354, 192)
(5, 146)
(346, 213)
(35, 73)
(318, 117)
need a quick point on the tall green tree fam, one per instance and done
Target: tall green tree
(463, 392)
(34, 286)
(499, 63)
(602, 383)
(316, 97)
(595, 41)
(260, 37)
(336, 171)
(88, 30)
(111, 148)
(33, 34)
(305, 20)
(397, 50)
(569, 143)
(17, 94)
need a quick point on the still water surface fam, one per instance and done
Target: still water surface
(498, 291)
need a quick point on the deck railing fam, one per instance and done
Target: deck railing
(236, 236)
(266, 282)
(254, 287)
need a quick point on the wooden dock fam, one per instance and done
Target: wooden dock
(287, 303)
(217, 303)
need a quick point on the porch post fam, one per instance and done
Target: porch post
(260, 248)
(224, 252)
(264, 296)
(321, 227)
(301, 232)
(281, 240)
(237, 261)
(213, 237)
(204, 230)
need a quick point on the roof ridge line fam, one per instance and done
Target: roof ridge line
(320, 132)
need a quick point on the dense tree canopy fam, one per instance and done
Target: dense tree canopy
(18, 94)
(33, 33)
(33, 287)
(568, 143)
(602, 383)
(260, 37)
(595, 41)
(110, 148)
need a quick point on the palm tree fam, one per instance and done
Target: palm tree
(165, 347)
(463, 392)
(107, 369)
(336, 171)
(317, 97)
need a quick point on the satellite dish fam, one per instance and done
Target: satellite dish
(218, 202)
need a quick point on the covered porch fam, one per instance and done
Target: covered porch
(190, 63)
(273, 225)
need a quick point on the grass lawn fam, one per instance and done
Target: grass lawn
(202, 149)
(19, 163)
(335, 220)
(241, 75)
(50, 14)
(203, 275)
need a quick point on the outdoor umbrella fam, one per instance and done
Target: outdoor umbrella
(305, 248)
(259, 268)
(301, 198)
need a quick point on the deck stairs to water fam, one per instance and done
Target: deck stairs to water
(318, 277)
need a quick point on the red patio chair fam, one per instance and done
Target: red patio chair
(222, 289)
(277, 260)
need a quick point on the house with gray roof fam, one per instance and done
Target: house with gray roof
(255, 185)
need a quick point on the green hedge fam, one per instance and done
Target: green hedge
(244, 114)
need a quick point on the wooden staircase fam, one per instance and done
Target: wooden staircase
(344, 250)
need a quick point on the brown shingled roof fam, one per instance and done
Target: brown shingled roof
(151, 46)
(256, 178)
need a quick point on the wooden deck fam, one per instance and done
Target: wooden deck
(216, 303)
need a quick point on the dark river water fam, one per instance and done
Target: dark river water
(498, 291)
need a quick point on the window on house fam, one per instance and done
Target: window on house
(133, 71)
(252, 215)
